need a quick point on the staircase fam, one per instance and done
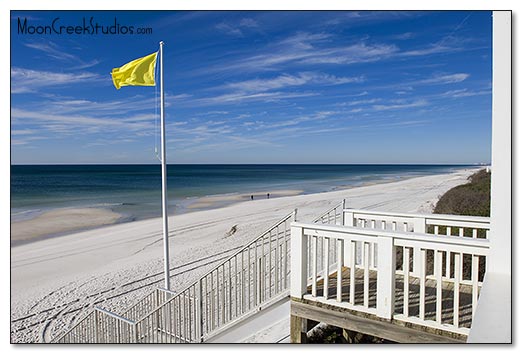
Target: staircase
(250, 280)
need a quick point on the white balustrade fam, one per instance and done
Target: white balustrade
(434, 296)
(450, 225)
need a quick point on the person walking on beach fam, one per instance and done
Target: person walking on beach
(268, 196)
(252, 197)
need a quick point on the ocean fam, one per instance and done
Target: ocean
(135, 190)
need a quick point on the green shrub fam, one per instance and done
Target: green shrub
(472, 198)
(334, 335)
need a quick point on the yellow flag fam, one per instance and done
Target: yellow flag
(139, 72)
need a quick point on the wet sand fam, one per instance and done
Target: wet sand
(60, 221)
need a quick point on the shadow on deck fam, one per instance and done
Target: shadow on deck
(396, 329)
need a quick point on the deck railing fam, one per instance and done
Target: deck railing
(405, 276)
(436, 224)
(101, 326)
(334, 215)
(251, 278)
(148, 304)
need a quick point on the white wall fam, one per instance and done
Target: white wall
(492, 319)
(500, 257)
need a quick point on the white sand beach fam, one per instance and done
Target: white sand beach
(55, 280)
(60, 221)
(217, 200)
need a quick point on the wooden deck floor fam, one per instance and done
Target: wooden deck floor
(465, 300)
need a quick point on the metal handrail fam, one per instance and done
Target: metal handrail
(139, 325)
(114, 315)
(341, 205)
(197, 283)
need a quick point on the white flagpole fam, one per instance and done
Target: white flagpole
(164, 177)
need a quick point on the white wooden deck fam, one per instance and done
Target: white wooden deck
(416, 276)
(373, 269)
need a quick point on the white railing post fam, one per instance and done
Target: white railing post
(135, 334)
(326, 265)
(199, 312)
(343, 206)
(386, 278)
(419, 226)
(96, 327)
(438, 277)
(299, 262)
(339, 269)
(347, 221)
(348, 218)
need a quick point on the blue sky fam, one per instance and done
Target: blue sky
(257, 87)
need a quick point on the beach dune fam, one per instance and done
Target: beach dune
(55, 280)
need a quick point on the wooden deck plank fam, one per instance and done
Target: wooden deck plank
(381, 329)
(465, 300)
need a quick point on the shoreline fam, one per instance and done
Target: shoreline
(58, 222)
(48, 224)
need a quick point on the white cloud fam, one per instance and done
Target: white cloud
(465, 93)
(297, 120)
(303, 40)
(403, 36)
(137, 103)
(25, 140)
(52, 50)
(359, 102)
(445, 79)
(44, 122)
(356, 53)
(237, 97)
(283, 81)
(229, 29)
(364, 93)
(28, 80)
(22, 132)
(418, 103)
(248, 22)
(237, 30)
(433, 49)
(305, 48)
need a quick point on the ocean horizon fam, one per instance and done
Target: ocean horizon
(134, 191)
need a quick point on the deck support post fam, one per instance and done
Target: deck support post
(298, 326)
